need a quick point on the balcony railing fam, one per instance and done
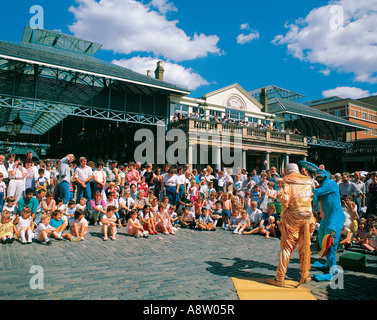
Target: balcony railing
(246, 133)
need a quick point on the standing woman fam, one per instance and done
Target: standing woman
(99, 177)
(132, 176)
(17, 175)
(170, 184)
(30, 179)
(158, 182)
(372, 192)
(182, 183)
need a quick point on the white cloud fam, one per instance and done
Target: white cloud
(163, 6)
(325, 72)
(245, 26)
(174, 73)
(245, 38)
(346, 92)
(341, 36)
(128, 26)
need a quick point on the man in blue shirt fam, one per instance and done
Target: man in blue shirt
(28, 200)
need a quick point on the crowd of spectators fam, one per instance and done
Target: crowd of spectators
(61, 199)
(240, 122)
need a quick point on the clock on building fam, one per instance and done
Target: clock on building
(234, 102)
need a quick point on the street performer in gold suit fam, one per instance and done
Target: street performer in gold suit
(297, 224)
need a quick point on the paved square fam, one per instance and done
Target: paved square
(190, 265)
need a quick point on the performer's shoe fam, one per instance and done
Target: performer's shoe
(275, 282)
(307, 279)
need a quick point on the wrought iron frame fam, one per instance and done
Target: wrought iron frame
(329, 143)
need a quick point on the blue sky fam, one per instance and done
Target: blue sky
(316, 48)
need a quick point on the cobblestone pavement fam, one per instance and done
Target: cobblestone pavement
(190, 265)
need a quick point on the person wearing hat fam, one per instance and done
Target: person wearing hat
(296, 223)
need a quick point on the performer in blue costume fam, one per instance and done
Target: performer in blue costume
(332, 222)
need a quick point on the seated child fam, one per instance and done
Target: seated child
(256, 195)
(60, 226)
(163, 223)
(264, 222)
(134, 227)
(243, 224)
(205, 221)
(109, 223)
(44, 231)
(270, 227)
(10, 205)
(83, 206)
(70, 210)
(173, 216)
(361, 234)
(24, 225)
(7, 228)
(147, 219)
(370, 244)
(42, 181)
(217, 213)
(234, 219)
(255, 215)
(79, 225)
(187, 219)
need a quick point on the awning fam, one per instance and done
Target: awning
(310, 121)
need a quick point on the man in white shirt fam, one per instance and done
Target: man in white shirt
(83, 175)
(171, 185)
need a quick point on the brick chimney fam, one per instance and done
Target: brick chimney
(264, 99)
(149, 72)
(159, 72)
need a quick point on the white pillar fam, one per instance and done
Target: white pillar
(216, 157)
(190, 156)
(267, 159)
(244, 159)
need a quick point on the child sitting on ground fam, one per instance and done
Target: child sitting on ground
(217, 213)
(10, 205)
(24, 225)
(44, 231)
(60, 226)
(205, 221)
(173, 216)
(109, 224)
(70, 210)
(370, 244)
(243, 224)
(270, 227)
(147, 219)
(361, 233)
(234, 218)
(7, 228)
(42, 181)
(163, 223)
(134, 227)
(79, 225)
(83, 206)
(187, 219)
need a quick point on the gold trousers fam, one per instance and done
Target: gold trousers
(292, 228)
